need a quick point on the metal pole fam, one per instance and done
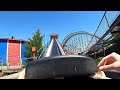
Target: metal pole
(107, 21)
(44, 40)
(95, 54)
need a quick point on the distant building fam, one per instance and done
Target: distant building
(11, 51)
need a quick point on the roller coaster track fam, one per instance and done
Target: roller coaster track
(107, 33)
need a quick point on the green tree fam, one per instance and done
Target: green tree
(35, 41)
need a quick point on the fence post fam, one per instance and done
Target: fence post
(34, 52)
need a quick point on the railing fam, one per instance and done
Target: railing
(13, 63)
(40, 52)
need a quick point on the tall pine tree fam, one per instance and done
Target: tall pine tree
(35, 41)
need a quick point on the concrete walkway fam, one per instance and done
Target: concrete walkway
(12, 76)
(18, 75)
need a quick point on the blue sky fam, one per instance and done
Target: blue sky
(22, 24)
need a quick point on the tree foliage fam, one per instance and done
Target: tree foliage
(35, 41)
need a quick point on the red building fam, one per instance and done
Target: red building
(11, 51)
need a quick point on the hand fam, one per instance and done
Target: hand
(110, 63)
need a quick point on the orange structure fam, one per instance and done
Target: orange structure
(34, 52)
(54, 36)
